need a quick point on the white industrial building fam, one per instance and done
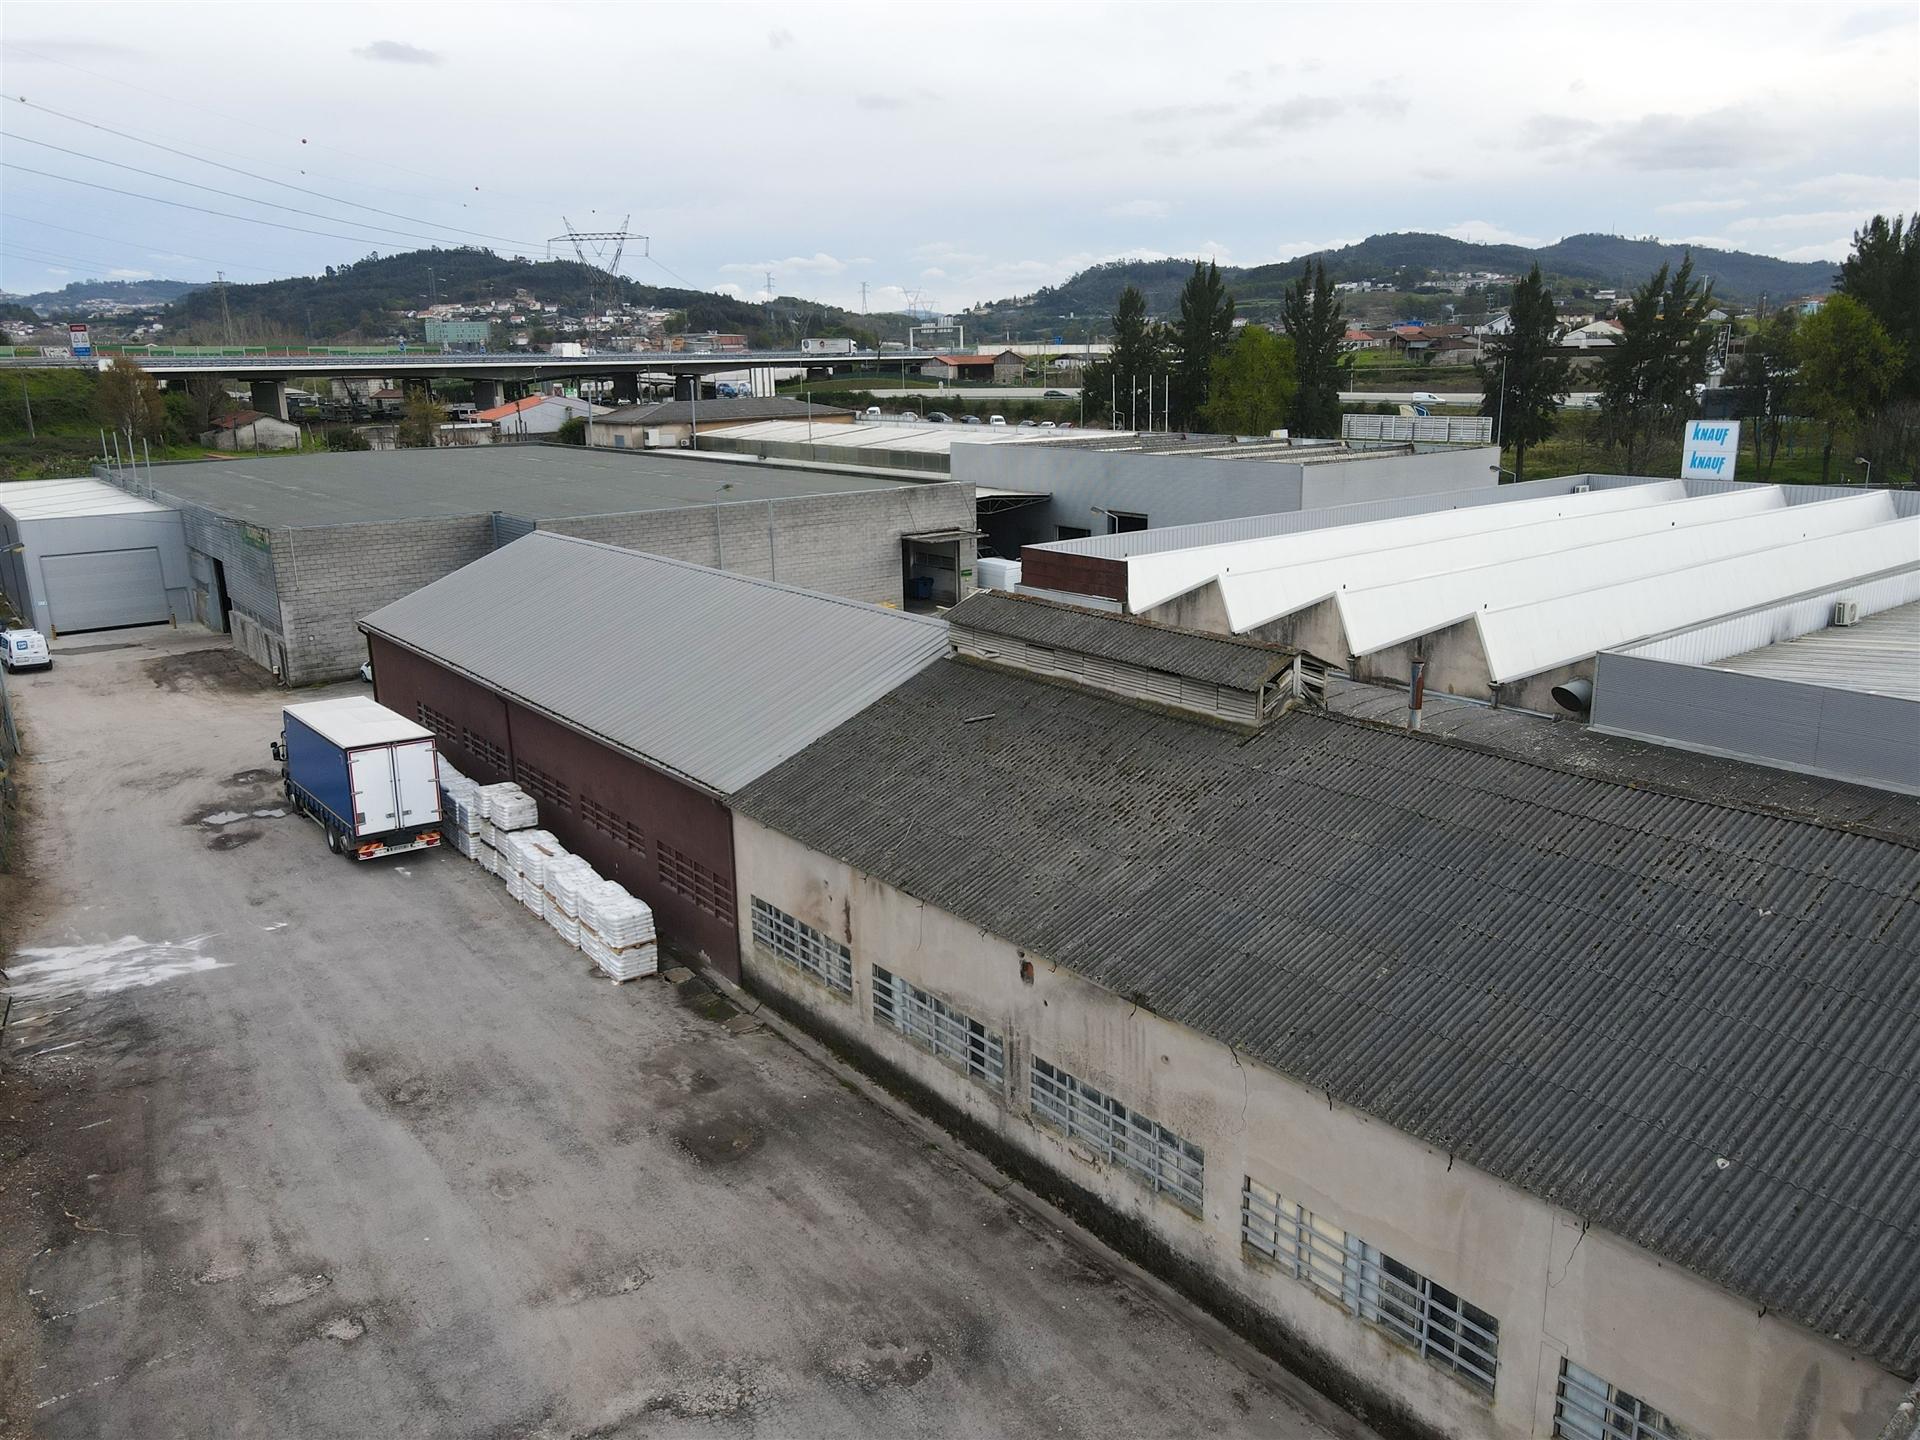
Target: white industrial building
(84, 555)
(1509, 595)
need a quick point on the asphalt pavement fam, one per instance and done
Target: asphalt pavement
(295, 1146)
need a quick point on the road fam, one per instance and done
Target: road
(294, 1146)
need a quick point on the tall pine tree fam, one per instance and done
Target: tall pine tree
(1318, 330)
(1129, 383)
(1883, 274)
(1522, 382)
(1202, 337)
(1647, 379)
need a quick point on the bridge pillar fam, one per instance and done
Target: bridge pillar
(516, 389)
(683, 386)
(270, 398)
(486, 394)
(626, 388)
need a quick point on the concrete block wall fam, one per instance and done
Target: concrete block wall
(846, 544)
(331, 577)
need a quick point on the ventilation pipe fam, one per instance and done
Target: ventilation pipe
(1574, 696)
(1416, 692)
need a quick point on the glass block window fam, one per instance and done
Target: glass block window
(934, 1025)
(1147, 1150)
(802, 946)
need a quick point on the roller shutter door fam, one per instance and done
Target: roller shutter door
(104, 588)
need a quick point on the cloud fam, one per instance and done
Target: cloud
(779, 38)
(1300, 113)
(1700, 207)
(1718, 140)
(123, 274)
(1864, 23)
(62, 52)
(1202, 110)
(397, 52)
(1139, 210)
(882, 102)
(818, 263)
(1555, 132)
(1835, 250)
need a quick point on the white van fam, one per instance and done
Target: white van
(996, 419)
(24, 650)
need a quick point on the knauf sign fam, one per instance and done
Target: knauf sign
(1711, 448)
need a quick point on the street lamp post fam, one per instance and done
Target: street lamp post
(1862, 460)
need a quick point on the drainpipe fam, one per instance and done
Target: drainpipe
(1416, 692)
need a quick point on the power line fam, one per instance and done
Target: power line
(251, 175)
(115, 240)
(216, 190)
(181, 204)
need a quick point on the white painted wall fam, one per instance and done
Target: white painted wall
(1702, 1354)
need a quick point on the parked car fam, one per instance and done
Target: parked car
(996, 419)
(873, 412)
(909, 417)
(24, 650)
(939, 417)
(970, 420)
(1029, 424)
(1055, 395)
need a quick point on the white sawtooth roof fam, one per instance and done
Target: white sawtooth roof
(1381, 615)
(708, 675)
(1155, 578)
(1255, 597)
(1527, 639)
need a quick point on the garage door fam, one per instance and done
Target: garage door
(104, 588)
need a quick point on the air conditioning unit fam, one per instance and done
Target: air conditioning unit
(1582, 489)
(1846, 612)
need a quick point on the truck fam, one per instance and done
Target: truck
(368, 777)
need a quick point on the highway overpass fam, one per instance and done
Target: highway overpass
(493, 376)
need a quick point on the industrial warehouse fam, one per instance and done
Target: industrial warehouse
(81, 555)
(1499, 1082)
(289, 553)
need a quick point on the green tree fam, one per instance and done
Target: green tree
(1522, 382)
(1128, 382)
(1318, 329)
(127, 398)
(1883, 274)
(341, 437)
(1848, 367)
(420, 424)
(1647, 379)
(1202, 336)
(572, 431)
(1761, 381)
(1252, 384)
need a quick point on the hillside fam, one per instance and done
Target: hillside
(83, 296)
(364, 301)
(1579, 262)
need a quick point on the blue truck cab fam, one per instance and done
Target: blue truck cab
(370, 778)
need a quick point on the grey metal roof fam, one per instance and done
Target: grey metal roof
(1880, 655)
(1594, 990)
(1215, 659)
(712, 676)
(724, 409)
(544, 482)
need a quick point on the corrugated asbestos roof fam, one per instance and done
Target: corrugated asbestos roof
(1215, 659)
(712, 676)
(1691, 1024)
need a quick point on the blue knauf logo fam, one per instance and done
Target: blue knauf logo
(1712, 464)
(1711, 434)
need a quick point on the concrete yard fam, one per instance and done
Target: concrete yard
(291, 1146)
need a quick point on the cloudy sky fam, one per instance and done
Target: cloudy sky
(952, 153)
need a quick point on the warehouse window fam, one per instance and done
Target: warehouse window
(544, 787)
(478, 745)
(1146, 1149)
(1429, 1318)
(441, 725)
(934, 1025)
(1588, 1408)
(686, 876)
(613, 826)
(802, 946)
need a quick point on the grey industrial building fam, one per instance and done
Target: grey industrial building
(289, 553)
(1515, 1080)
(608, 684)
(82, 555)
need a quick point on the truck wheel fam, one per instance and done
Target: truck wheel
(333, 840)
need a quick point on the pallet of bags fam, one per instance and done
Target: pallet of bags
(485, 856)
(617, 932)
(532, 851)
(508, 806)
(564, 879)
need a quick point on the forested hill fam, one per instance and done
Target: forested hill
(364, 301)
(1577, 262)
(82, 296)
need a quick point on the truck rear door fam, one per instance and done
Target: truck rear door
(417, 781)
(375, 808)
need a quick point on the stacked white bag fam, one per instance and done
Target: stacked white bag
(616, 931)
(459, 809)
(564, 880)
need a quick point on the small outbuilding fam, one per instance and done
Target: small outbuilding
(670, 423)
(251, 430)
(84, 555)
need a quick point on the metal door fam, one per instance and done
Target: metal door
(417, 780)
(374, 809)
(100, 589)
